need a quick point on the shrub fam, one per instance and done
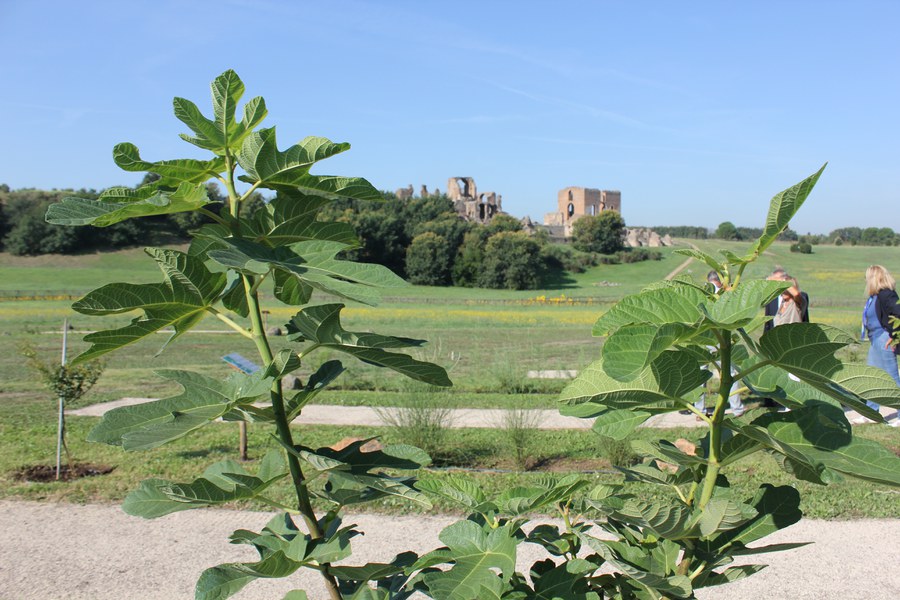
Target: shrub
(512, 260)
(802, 248)
(520, 426)
(604, 233)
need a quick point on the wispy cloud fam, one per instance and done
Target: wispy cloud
(578, 107)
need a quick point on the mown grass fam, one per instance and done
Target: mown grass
(487, 339)
(28, 434)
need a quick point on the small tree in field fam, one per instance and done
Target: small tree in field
(68, 384)
(604, 233)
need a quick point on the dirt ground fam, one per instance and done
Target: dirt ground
(97, 552)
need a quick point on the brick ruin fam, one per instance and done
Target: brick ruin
(576, 202)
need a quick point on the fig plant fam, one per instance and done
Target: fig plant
(661, 345)
(220, 275)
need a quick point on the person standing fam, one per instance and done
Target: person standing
(779, 274)
(881, 305)
(793, 304)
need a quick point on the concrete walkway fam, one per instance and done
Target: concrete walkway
(489, 418)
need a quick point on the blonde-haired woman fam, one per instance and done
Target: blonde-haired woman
(881, 305)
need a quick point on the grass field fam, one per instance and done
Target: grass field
(487, 339)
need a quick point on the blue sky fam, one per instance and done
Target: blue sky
(697, 111)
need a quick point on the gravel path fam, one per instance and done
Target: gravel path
(96, 552)
(322, 414)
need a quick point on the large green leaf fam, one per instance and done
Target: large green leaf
(739, 307)
(677, 586)
(352, 475)
(283, 549)
(312, 263)
(821, 432)
(292, 217)
(722, 514)
(180, 302)
(172, 172)
(631, 348)
(263, 162)
(547, 491)
(269, 167)
(475, 553)
(224, 133)
(807, 351)
(120, 203)
(776, 508)
(148, 425)
(671, 304)
(321, 325)
(566, 581)
(461, 490)
(222, 482)
(619, 424)
(672, 375)
(782, 208)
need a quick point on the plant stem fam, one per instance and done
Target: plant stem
(231, 323)
(284, 432)
(715, 424)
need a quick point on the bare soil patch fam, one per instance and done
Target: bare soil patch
(47, 473)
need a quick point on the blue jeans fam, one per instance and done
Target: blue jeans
(883, 359)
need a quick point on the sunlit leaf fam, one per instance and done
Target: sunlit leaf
(180, 302)
(222, 482)
(782, 208)
(475, 553)
(118, 204)
(631, 348)
(714, 264)
(672, 375)
(672, 304)
(738, 307)
(172, 172)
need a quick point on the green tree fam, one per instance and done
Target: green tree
(604, 233)
(503, 222)
(470, 257)
(512, 260)
(68, 384)
(428, 260)
(727, 231)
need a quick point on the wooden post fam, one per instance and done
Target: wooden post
(62, 403)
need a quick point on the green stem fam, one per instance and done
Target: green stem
(213, 216)
(715, 425)
(753, 368)
(225, 319)
(284, 432)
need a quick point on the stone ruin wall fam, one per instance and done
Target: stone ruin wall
(469, 204)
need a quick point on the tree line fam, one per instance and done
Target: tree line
(855, 236)
(422, 239)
